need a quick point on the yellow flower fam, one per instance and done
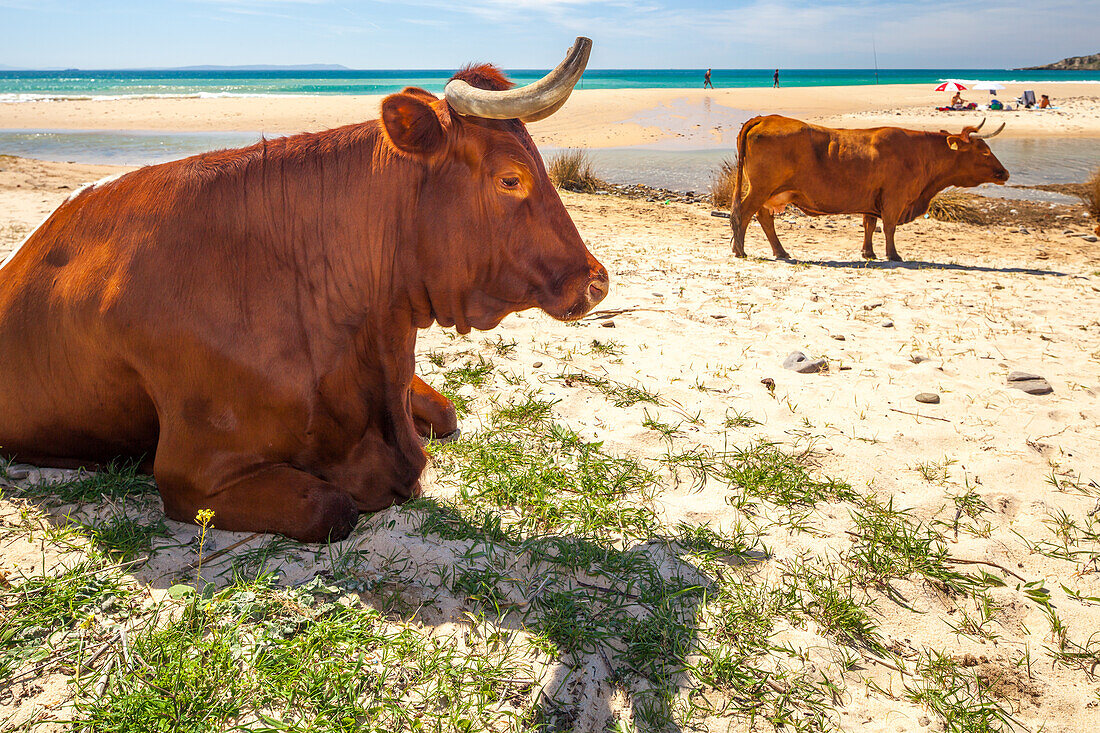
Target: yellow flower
(204, 516)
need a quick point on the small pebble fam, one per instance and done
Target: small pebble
(769, 383)
(928, 398)
(537, 364)
(608, 324)
(838, 336)
(872, 306)
(887, 324)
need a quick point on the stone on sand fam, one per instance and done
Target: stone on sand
(1030, 383)
(799, 362)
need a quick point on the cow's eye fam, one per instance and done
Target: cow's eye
(510, 182)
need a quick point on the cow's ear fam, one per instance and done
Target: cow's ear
(953, 141)
(411, 124)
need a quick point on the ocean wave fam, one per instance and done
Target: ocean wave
(23, 97)
(1023, 81)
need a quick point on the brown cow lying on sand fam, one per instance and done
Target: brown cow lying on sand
(247, 318)
(886, 173)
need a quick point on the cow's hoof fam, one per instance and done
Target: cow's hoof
(869, 256)
(783, 256)
(896, 258)
(442, 439)
(739, 255)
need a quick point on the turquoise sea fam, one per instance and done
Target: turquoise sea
(677, 167)
(18, 86)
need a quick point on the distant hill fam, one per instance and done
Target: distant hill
(262, 67)
(1073, 63)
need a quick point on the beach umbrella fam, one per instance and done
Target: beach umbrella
(992, 86)
(951, 86)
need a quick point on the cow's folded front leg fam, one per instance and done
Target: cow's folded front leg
(266, 498)
(433, 414)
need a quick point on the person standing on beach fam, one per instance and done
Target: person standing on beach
(775, 79)
(706, 80)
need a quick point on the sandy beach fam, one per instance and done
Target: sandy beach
(592, 118)
(702, 332)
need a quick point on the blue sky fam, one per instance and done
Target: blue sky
(534, 33)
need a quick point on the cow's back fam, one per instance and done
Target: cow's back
(821, 170)
(70, 317)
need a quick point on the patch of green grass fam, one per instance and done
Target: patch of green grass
(550, 478)
(532, 409)
(621, 395)
(738, 419)
(958, 696)
(118, 480)
(474, 374)
(934, 472)
(54, 615)
(501, 347)
(667, 431)
(121, 538)
(605, 348)
(284, 659)
(766, 472)
(891, 543)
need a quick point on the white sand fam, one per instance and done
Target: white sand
(703, 329)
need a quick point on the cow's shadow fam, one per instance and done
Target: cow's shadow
(922, 265)
(454, 557)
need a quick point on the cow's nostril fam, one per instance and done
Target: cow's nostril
(597, 289)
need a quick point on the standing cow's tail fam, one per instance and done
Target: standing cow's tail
(735, 204)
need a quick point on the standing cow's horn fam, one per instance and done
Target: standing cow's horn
(975, 135)
(529, 103)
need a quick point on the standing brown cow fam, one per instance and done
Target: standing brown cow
(886, 173)
(247, 318)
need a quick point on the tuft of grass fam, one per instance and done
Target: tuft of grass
(764, 471)
(962, 700)
(550, 478)
(572, 170)
(292, 659)
(953, 205)
(122, 538)
(740, 419)
(118, 480)
(621, 395)
(54, 616)
(1091, 195)
(723, 182)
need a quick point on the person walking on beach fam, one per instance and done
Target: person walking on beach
(775, 79)
(706, 80)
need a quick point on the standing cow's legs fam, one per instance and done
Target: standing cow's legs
(741, 214)
(869, 222)
(264, 497)
(767, 223)
(432, 413)
(888, 226)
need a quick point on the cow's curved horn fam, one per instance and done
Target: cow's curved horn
(988, 135)
(979, 125)
(528, 103)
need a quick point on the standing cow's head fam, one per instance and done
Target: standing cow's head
(492, 234)
(974, 162)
